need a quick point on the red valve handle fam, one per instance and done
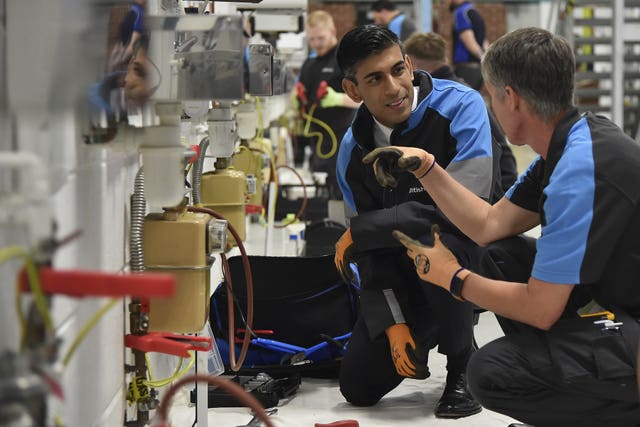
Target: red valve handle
(168, 343)
(84, 283)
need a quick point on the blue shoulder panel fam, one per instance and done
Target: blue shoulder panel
(396, 24)
(461, 18)
(568, 211)
(344, 157)
(466, 110)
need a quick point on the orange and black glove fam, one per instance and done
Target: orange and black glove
(435, 264)
(344, 255)
(390, 162)
(410, 360)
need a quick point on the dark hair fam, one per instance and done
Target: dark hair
(362, 42)
(381, 5)
(537, 64)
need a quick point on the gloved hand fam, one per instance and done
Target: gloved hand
(390, 162)
(410, 361)
(332, 98)
(435, 264)
(300, 95)
(344, 255)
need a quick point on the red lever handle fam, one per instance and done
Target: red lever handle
(322, 90)
(79, 283)
(196, 149)
(167, 343)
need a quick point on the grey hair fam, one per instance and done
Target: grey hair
(537, 64)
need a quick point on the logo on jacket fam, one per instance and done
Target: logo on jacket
(416, 190)
(327, 70)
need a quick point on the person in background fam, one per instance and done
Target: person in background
(320, 83)
(386, 13)
(570, 314)
(469, 41)
(137, 84)
(130, 29)
(400, 319)
(428, 52)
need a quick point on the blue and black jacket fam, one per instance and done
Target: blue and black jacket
(451, 122)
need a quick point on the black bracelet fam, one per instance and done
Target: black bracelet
(455, 287)
(428, 170)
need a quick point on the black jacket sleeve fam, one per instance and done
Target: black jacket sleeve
(372, 230)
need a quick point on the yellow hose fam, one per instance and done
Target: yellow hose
(334, 141)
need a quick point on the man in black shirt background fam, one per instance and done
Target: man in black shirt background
(320, 83)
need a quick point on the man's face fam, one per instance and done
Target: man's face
(384, 84)
(136, 86)
(321, 39)
(500, 107)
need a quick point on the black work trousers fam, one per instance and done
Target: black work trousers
(367, 372)
(575, 374)
(515, 376)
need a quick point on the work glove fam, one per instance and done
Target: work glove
(344, 255)
(435, 264)
(301, 99)
(390, 162)
(332, 98)
(409, 360)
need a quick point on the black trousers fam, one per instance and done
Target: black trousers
(525, 382)
(367, 372)
(572, 375)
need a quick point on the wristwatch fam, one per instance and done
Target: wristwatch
(457, 282)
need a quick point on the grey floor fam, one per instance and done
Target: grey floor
(320, 401)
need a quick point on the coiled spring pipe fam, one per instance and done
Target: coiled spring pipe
(197, 171)
(138, 211)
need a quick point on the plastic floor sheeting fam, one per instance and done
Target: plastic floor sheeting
(320, 401)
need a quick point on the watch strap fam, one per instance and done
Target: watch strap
(457, 283)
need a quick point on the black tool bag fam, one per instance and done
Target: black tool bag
(303, 315)
(321, 237)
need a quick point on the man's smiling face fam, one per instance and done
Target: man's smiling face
(383, 82)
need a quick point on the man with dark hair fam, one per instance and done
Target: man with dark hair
(386, 14)
(570, 316)
(428, 52)
(398, 321)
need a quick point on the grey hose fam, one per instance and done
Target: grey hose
(197, 171)
(138, 211)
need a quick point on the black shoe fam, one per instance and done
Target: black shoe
(519, 425)
(456, 401)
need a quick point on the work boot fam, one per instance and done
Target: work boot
(456, 401)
